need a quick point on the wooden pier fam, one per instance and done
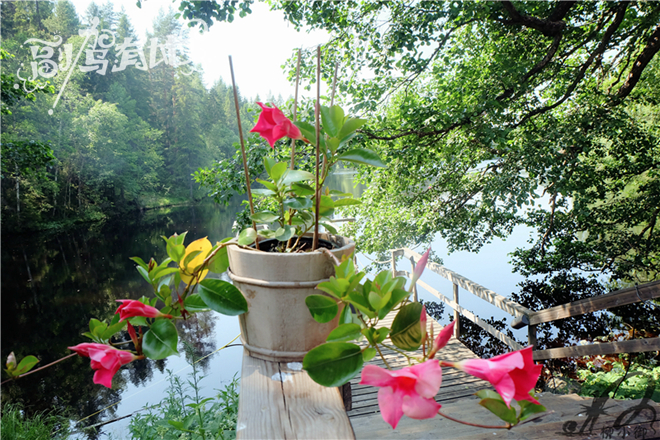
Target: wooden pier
(279, 401)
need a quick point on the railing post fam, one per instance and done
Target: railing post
(457, 315)
(531, 336)
(414, 287)
(394, 264)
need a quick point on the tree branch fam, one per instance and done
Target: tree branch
(652, 47)
(549, 28)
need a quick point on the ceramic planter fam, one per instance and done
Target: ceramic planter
(278, 325)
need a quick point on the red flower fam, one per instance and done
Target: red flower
(442, 338)
(272, 125)
(513, 374)
(105, 360)
(409, 391)
(131, 308)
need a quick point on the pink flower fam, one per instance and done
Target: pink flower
(422, 322)
(442, 338)
(131, 308)
(409, 391)
(272, 125)
(421, 265)
(513, 374)
(105, 360)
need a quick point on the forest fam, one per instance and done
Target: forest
(116, 141)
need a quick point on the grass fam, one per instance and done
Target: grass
(16, 424)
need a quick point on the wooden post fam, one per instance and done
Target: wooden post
(412, 263)
(393, 264)
(457, 315)
(531, 336)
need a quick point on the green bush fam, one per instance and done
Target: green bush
(42, 426)
(639, 382)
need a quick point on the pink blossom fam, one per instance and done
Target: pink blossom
(513, 374)
(272, 125)
(105, 360)
(442, 338)
(408, 391)
(422, 322)
(421, 265)
(130, 308)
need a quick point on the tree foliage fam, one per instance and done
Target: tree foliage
(498, 114)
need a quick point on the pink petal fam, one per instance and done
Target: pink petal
(506, 387)
(390, 404)
(444, 336)
(421, 264)
(417, 407)
(429, 378)
(376, 376)
(104, 377)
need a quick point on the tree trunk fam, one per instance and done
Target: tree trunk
(18, 193)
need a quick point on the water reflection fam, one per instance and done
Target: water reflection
(53, 283)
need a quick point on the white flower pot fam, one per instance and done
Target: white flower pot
(278, 325)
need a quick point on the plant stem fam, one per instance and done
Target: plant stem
(507, 426)
(382, 357)
(295, 110)
(40, 368)
(317, 110)
(240, 135)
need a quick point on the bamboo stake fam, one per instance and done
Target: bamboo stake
(317, 110)
(240, 135)
(295, 110)
(334, 85)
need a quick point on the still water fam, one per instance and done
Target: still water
(52, 284)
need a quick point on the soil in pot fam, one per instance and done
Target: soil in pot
(305, 244)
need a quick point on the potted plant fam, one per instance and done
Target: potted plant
(276, 268)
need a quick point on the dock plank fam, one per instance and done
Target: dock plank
(279, 401)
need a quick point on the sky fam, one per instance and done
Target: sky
(259, 44)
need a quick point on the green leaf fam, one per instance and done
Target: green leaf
(528, 408)
(333, 144)
(406, 329)
(25, 365)
(334, 286)
(223, 297)
(269, 162)
(361, 303)
(140, 262)
(298, 203)
(349, 127)
(265, 217)
(284, 233)
(302, 189)
(261, 192)
(322, 308)
(293, 176)
(307, 130)
(266, 233)
(144, 273)
(332, 119)
(348, 201)
(327, 206)
(175, 251)
(368, 354)
(113, 328)
(277, 171)
(329, 227)
(220, 262)
(343, 333)
(160, 340)
(362, 156)
(268, 185)
(334, 363)
(497, 406)
(94, 324)
(195, 303)
(247, 237)
(376, 301)
(397, 296)
(160, 272)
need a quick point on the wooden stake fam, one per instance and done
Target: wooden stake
(295, 110)
(317, 111)
(334, 85)
(240, 135)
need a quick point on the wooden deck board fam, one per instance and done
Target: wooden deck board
(279, 401)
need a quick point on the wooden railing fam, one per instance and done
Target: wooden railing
(526, 317)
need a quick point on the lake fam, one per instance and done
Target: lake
(53, 283)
